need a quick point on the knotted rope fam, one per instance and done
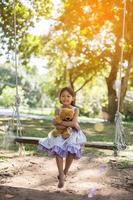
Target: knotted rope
(119, 131)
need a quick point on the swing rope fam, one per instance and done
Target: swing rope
(119, 131)
(17, 98)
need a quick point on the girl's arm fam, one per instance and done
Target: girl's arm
(54, 122)
(74, 122)
(60, 126)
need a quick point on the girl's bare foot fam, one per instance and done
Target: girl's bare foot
(64, 177)
(61, 181)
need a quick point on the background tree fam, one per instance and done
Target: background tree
(90, 18)
(26, 16)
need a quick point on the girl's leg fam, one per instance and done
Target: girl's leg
(69, 160)
(59, 162)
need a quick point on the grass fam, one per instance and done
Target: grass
(103, 132)
(38, 111)
(124, 164)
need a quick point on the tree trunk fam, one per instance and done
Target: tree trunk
(112, 97)
(125, 79)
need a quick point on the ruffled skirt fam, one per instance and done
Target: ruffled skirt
(60, 146)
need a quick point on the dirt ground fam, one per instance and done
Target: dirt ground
(35, 178)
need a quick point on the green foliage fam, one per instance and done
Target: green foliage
(92, 97)
(32, 97)
(7, 98)
(26, 15)
(70, 59)
(7, 24)
(7, 77)
(124, 164)
(128, 109)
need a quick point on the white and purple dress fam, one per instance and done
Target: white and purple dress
(60, 146)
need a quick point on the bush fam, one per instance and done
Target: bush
(7, 97)
(128, 109)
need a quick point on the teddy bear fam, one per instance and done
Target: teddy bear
(66, 114)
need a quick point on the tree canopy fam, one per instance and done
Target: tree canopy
(83, 43)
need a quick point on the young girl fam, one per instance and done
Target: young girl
(69, 148)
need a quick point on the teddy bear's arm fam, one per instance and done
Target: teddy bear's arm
(56, 121)
(58, 126)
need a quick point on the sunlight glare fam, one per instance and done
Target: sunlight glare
(40, 63)
(86, 9)
(42, 27)
(92, 192)
(117, 84)
(99, 127)
(26, 3)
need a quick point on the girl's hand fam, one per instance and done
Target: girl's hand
(77, 127)
(67, 124)
(60, 127)
(71, 124)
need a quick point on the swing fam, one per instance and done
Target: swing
(119, 143)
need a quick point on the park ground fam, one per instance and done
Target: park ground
(91, 177)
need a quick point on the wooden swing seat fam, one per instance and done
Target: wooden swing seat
(35, 140)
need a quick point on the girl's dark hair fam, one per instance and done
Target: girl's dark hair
(70, 91)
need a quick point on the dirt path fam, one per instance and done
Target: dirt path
(35, 178)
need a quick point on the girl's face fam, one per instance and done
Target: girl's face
(66, 98)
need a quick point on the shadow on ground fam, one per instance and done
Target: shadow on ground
(15, 193)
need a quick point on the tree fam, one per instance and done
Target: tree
(26, 16)
(89, 17)
(71, 59)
